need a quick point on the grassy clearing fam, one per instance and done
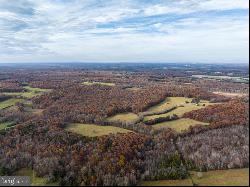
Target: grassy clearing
(5, 125)
(94, 130)
(100, 83)
(133, 89)
(12, 93)
(33, 92)
(9, 103)
(185, 182)
(228, 94)
(179, 125)
(180, 103)
(168, 103)
(36, 181)
(30, 92)
(234, 177)
(125, 117)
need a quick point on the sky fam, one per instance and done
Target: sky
(205, 31)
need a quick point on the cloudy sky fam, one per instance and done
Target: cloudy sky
(209, 31)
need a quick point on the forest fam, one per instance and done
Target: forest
(37, 105)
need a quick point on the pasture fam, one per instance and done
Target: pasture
(9, 103)
(178, 125)
(91, 130)
(33, 92)
(124, 117)
(35, 181)
(29, 92)
(233, 177)
(183, 105)
(169, 103)
(5, 125)
(100, 83)
(133, 89)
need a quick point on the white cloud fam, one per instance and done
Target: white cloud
(83, 30)
(190, 6)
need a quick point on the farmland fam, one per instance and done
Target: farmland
(182, 105)
(236, 177)
(169, 107)
(98, 83)
(35, 181)
(151, 123)
(125, 117)
(28, 93)
(179, 125)
(9, 102)
(91, 130)
(5, 125)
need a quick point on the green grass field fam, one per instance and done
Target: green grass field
(133, 89)
(178, 125)
(125, 117)
(36, 181)
(33, 92)
(9, 103)
(180, 103)
(29, 93)
(91, 130)
(234, 177)
(169, 103)
(100, 83)
(5, 125)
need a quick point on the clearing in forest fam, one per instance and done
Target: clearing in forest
(33, 92)
(133, 89)
(5, 125)
(228, 94)
(178, 125)
(232, 177)
(182, 105)
(124, 117)
(35, 181)
(91, 130)
(100, 83)
(9, 103)
(29, 92)
(169, 103)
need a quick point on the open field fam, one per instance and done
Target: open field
(179, 111)
(100, 83)
(234, 177)
(30, 92)
(169, 103)
(179, 125)
(180, 103)
(4, 125)
(133, 89)
(183, 105)
(226, 78)
(94, 130)
(33, 92)
(185, 182)
(124, 117)
(35, 181)
(227, 94)
(97, 135)
(9, 102)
